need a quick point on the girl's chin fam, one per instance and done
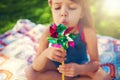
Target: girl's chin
(65, 25)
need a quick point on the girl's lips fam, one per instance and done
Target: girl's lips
(64, 22)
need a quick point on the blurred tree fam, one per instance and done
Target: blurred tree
(38, 11)
(12, 10)
(104, 23)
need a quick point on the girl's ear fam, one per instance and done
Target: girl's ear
(49, 2)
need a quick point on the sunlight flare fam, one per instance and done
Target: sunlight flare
(112, 7)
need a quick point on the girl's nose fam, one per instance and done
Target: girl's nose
(64, 12)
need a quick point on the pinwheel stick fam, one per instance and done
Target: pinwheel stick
(63, 77)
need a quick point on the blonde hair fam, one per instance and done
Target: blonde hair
(86, 20)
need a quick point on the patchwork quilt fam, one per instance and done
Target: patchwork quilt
(18, 47)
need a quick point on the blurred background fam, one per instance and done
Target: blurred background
(106, 14)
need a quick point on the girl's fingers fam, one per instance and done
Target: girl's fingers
(61, 50)
(66, 72)
(58, 53)
(58, 59)
(64, 68)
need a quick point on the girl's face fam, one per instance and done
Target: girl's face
(67, 12)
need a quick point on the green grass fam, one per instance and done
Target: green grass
(7, 27)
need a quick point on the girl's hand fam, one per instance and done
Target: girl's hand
(70, 69)
(55, 54)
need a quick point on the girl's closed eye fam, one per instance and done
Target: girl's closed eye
(57, 7)
(72, 7)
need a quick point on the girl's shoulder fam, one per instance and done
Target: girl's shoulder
(44, 35)
(89, 30)
(89, 33)
(43, 42)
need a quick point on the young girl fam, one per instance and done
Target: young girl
(46, 65)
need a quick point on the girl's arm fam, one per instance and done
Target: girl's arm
(40, 60)
(45, 54)
(91, 43)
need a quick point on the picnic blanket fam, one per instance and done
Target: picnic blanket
(18, 47)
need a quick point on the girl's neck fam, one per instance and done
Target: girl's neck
(76, 29)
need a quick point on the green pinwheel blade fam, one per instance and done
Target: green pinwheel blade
(63, 41)
(72, 36)
(60, 29)
(52, 40)
(65, 45)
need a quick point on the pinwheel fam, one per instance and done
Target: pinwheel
(60, 37)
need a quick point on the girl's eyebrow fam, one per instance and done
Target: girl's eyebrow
(75, 1)
(71, 2)
(57, 3)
